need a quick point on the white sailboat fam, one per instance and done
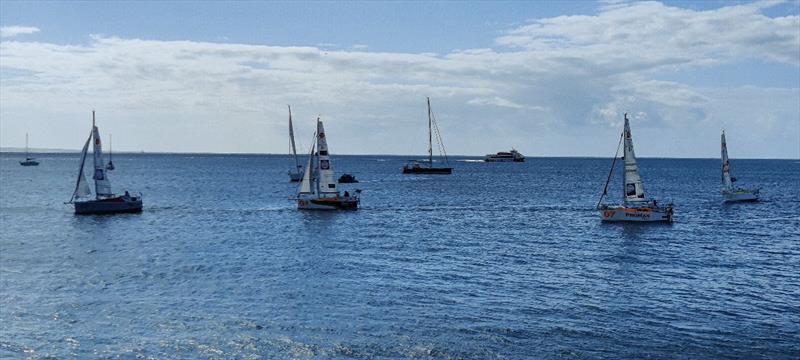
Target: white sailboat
(318, 190)
(29, 161)
(636, 206)
(104, 202)
(295, 174)
(729, 193)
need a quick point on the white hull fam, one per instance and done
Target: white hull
(740, 195)
(636, 214)
(491, 159)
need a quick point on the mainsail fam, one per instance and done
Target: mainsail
(82, 186)
(634, 189)
(291, 138)
(325, 181)
(727, 182)
(101, 184)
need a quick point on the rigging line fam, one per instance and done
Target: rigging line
(439, 141)
(610, 172)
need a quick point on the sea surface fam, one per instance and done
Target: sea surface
(498, 260)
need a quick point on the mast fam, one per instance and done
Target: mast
(291, 137)
(27, 156)
(430, 135)
(109, 148)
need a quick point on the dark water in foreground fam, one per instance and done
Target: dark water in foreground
(495, 261)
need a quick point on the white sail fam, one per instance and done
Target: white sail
(305, 185)
(291, 138)
(82, 186)
(101, 184)
(325, 181)
(633, 187)
(727, 183)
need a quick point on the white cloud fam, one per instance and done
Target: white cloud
(11, 31)
(557, 86)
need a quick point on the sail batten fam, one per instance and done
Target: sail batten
(633, 185)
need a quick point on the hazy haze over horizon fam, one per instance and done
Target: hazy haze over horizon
(548, 78)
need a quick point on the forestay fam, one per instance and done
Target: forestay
(634, 189)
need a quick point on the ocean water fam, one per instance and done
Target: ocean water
(494, 261)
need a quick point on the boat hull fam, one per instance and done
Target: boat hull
(740, 195)
(29, 163)
(636, 214)
(490, 159)
(428, 170)
(115, 205)
(350, 203)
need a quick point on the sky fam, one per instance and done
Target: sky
(547, 78)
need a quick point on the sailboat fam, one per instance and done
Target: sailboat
(635, 206)
(417, 167)
(110, 165)
(729, 193)
(105, 202)
(318, 188)
(29, 161)
(295, 174)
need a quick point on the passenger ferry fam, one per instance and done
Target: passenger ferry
(511, 156)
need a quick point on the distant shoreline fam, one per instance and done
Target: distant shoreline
(5, 151)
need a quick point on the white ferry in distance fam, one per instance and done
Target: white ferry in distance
(511, 156)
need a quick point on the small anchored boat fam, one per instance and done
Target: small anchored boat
(347, 179)
(729, 192)
(105, 202)
(295, 174)
(421, 167)
(635, 207)
(29, 161)
(510, 156)
(318, 188)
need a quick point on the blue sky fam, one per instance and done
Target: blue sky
(550, 78)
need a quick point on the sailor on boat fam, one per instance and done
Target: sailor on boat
(635, 206)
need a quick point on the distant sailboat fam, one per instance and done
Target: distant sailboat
(417, 167)
(110, 165)
(729, 193)
(105, 202)
(29, 161)
(318, 188)
(295, 174)
(636, 206)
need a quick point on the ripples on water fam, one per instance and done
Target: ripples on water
(495, 261)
